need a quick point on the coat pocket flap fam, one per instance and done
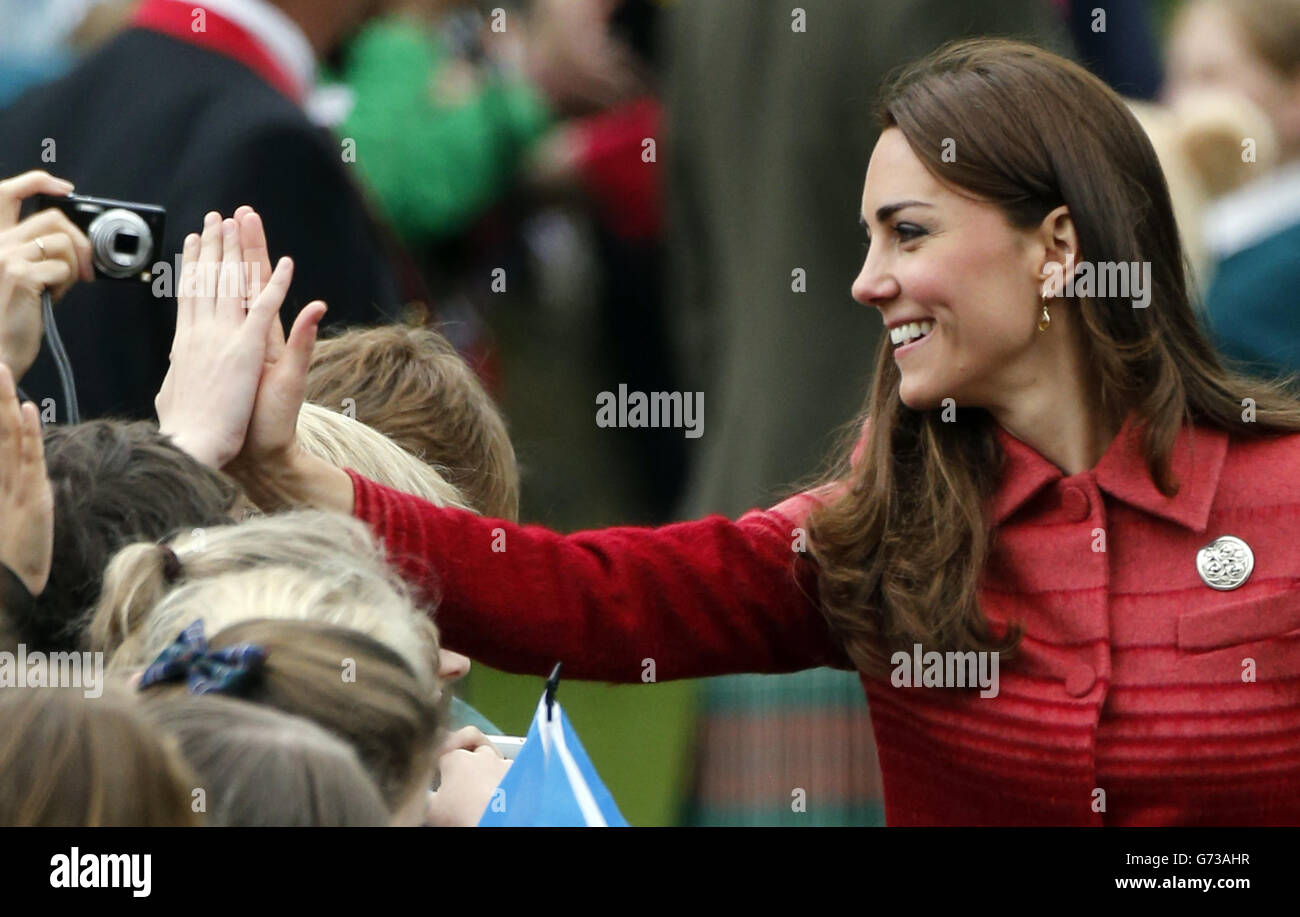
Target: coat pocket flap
(1240, 622)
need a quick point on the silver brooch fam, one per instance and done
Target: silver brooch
(1225, 563)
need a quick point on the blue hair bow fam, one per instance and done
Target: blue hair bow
(205, 671)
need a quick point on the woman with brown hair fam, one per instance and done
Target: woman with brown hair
(1053, 465)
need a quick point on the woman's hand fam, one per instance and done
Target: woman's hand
(227, 339)
(46, 250)
(26, 502)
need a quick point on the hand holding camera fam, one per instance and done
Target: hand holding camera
(44, 251)
(125, 238)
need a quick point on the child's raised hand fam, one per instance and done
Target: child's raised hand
(26, 501)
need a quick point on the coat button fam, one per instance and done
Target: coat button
(1225, 563)
(1080, 681)
(1075, 504)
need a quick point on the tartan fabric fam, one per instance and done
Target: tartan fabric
(785, 750)
(204, 670)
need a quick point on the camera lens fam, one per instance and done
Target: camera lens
(120, 242)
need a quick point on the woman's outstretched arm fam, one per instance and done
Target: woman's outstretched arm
(621, 604)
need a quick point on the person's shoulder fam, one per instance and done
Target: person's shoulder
(150, 85)
(1264, 271)
(256, 114)
(1259, 470)
(271, 136)
(794, 510)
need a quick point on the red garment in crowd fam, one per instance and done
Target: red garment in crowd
(1131, 702)
(612, 153)
(218, 34)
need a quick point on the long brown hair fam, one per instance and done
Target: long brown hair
(900, 551)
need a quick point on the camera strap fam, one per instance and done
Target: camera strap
(61, 361)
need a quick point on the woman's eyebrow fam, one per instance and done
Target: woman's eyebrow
(888, 210)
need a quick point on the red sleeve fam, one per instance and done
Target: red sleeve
(709, 597)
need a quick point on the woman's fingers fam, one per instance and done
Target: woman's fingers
(230, 284)
(256, 254)
(13, 191)
(56, 276)
(47, 225)
(54, 262)
(266, 307)
(302, 339)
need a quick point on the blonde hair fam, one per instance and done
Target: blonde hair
(348, 443)
(304, 565)
(1270, 27)
(411, 385)
(1198, 142)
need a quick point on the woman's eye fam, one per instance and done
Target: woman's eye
(908, 231)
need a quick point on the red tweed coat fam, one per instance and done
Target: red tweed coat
(1140, 696)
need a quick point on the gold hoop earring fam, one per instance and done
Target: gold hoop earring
(1046, 319)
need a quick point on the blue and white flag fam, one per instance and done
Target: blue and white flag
(551, 782)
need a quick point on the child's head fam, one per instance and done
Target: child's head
(259, 767)
(411, 385)
(113, 483)
(71, 761)
(351, 685)
(304, 565)
(348, 443)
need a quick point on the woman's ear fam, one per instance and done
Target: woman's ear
(1058, 247)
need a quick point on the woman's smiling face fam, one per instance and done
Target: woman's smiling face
(940, 257)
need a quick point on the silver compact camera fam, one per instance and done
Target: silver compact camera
(125, 238)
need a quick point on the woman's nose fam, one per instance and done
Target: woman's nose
(874, 286)
(452, 666)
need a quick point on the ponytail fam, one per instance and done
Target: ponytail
(135, 581)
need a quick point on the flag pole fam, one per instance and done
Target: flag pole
(552, 683)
